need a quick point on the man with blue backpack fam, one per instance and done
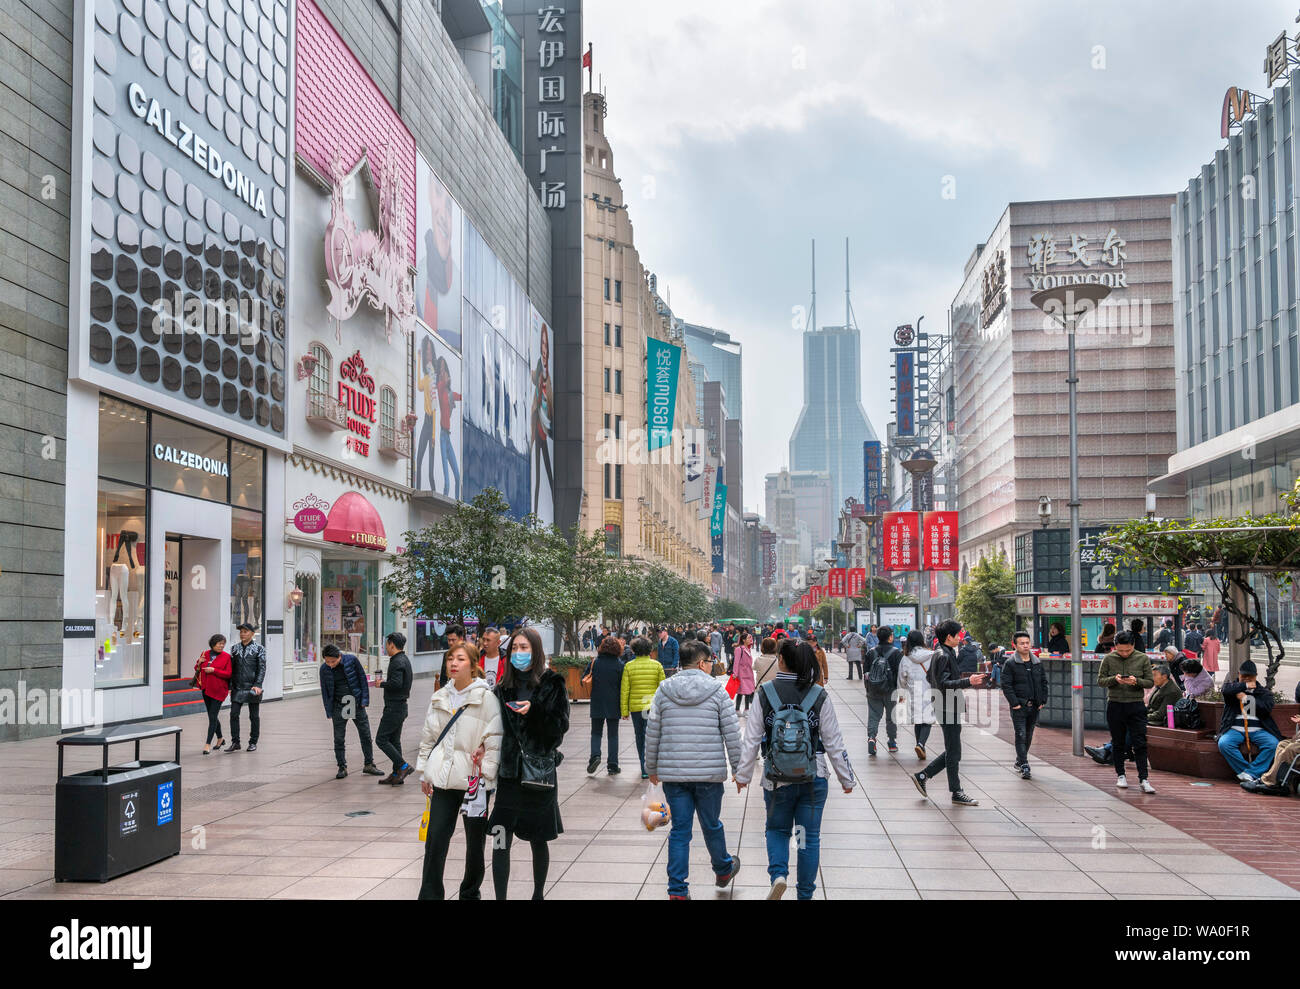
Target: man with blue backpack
(794, 726)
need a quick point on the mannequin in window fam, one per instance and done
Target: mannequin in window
(242, 587)
(254, 601)
(119, 574)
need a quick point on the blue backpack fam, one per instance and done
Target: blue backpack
(791, 755)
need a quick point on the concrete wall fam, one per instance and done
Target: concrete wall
(35, 149)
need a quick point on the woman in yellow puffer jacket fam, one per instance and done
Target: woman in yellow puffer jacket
(641, 678)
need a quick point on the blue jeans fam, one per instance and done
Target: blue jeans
(687, 801)
(448, 461)
(797, 804)
(1233, 737)
(638, 729)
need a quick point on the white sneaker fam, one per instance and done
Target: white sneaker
(1245, 777)
(1147, 787)
(778, 889)
(1121, 782)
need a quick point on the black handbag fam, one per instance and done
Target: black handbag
(537, 771)
(1187, 713)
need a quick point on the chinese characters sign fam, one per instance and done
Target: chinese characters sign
(905, 393)
(994, 289)
(872, 469)
(663, 361)
(1059, 604)
(835, 582)
(357, 396)
(1102, 260)
(1148, 604)
(940, 540)
(856, 579)
(902, 541)
(557, 50)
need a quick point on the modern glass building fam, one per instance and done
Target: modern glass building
(507, 77)
(1236, 351)
(832, 425)
(721, 357)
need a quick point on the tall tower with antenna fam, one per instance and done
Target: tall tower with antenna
(832, 425)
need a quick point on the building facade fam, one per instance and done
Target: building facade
(721, 357)
(832, 425)
(1237, 339)
(1011, 414)
(636, 496)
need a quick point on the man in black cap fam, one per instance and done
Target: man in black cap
(249, 661)
(1247, 705)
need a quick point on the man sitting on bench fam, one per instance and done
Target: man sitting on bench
(1287, 752)
(1246, 706)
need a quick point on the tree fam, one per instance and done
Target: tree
(727, 608)
(986, 603)
(577, 582)
(476, 562)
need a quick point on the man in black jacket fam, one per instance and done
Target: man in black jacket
(397, 689)
(1025, 684)
(881, 701)
(249, 659)
(945, 677)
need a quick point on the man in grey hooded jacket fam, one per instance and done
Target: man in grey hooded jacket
(691, 735)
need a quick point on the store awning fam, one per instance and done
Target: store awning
(353, 521)
(307, 565)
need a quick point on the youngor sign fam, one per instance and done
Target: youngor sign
(663, 363)
(905, 393)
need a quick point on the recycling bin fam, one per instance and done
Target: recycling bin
(115, 819)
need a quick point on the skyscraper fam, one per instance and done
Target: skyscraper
(832, 425)
(721, 357)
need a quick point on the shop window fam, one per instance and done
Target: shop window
(306, 629)
(246, 591)
(121, 587)
(430, 634)
(246, 475)
(189, 460)
(321, 373)
(123, 437)
(349, 607)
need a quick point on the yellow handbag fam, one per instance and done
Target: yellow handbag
(424, 820)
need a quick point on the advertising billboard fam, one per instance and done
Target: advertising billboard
(902, 541)
(436, 453)
(438, 233)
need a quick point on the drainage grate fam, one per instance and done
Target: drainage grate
(225, 788)
(358, 813)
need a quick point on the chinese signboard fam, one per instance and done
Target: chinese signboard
(719, 509)
(663, 361)
(1059, 604)
(902, 541)
(994, 289)
(1149, 604)
(905, 393)
(1102, 261)
(1024, 606)
(835, 581)
(940, 540)
(855, 580)
(872, 469)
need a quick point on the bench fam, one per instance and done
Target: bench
(1191, 752)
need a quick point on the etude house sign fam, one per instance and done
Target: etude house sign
(1090, 261)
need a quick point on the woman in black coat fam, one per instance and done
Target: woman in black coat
(606, 697)
(535, 717)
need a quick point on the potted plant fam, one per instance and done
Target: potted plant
(572, 667)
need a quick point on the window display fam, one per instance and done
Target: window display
(246, 568)
(121, 588)
(349, 602)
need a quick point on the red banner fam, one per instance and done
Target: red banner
(940, 538)
(816, 594)
(934, 584)
(856, 579)
(902, 540)
(835, 582)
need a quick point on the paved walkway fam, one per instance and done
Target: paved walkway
(274, 824)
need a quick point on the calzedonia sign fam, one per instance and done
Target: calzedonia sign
(185, 458)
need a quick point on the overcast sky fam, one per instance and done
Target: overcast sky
(743, 129)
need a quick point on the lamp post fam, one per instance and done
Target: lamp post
(919, 464)
(1068, 304)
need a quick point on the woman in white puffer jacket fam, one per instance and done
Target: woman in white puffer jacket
(451, 755)
(914, 678)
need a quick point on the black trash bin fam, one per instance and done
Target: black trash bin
(115, 819)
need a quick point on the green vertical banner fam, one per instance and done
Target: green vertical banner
(663, 364)
(719, 509)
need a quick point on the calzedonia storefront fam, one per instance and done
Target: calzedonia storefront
(173, 551)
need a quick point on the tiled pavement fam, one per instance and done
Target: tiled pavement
(274, 825)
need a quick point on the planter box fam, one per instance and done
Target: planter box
(573, 680)
(1212, 715)
(1192, 753)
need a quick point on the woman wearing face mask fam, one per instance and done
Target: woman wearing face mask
(535, 713)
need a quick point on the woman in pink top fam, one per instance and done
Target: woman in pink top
(743, 667)
(1210, 652)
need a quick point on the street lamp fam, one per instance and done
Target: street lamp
(1045, 511)
(1068, 304)
(1151, 506)
(918, 464)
